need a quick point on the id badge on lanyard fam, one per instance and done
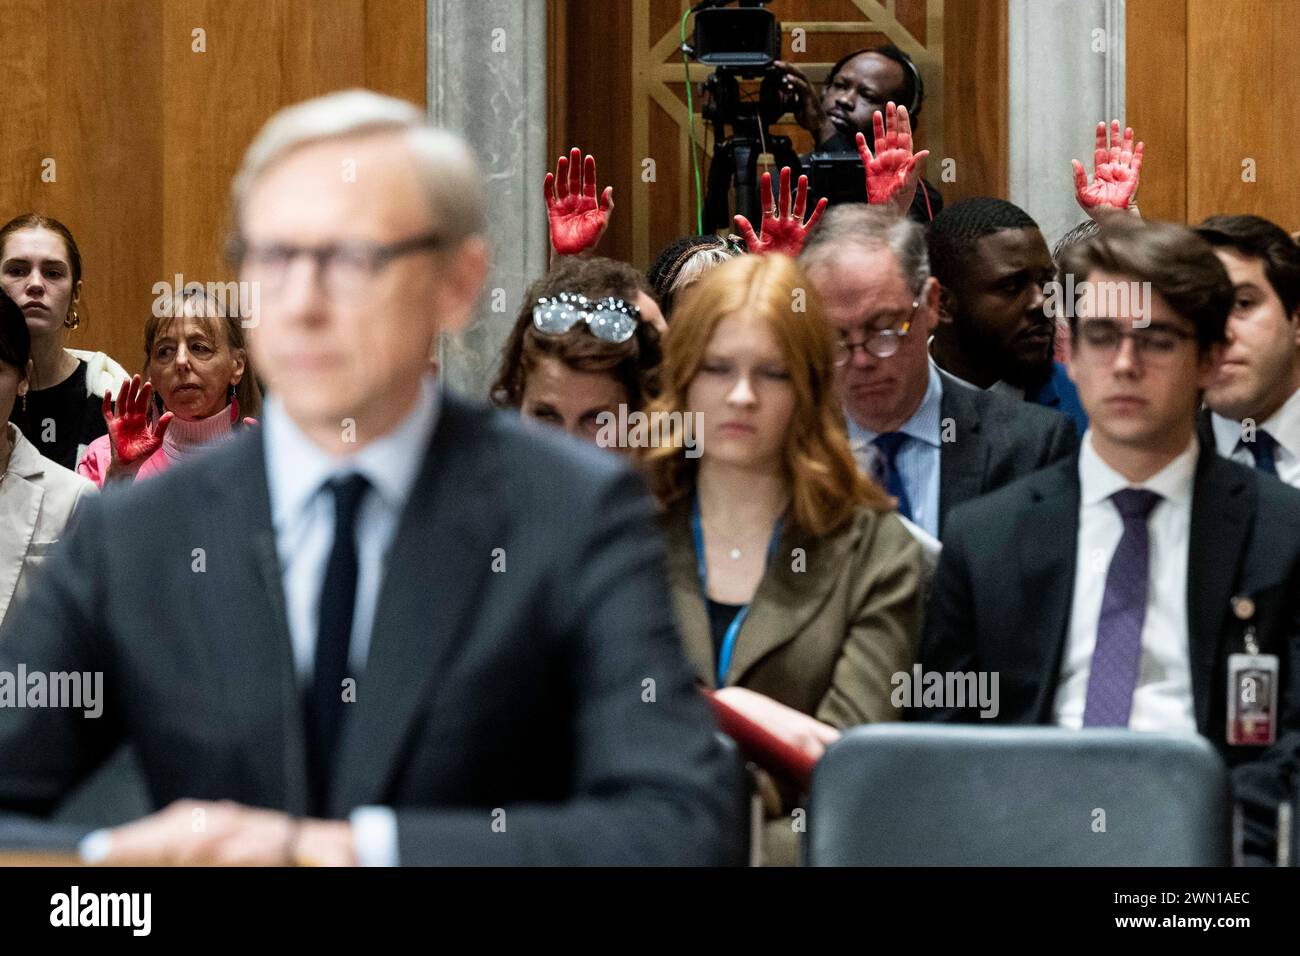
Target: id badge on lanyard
(1252, 687)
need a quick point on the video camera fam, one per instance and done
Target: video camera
(740, 42)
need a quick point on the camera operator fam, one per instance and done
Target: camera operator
(857, 86)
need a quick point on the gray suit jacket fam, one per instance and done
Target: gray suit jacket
(995, 440)
(545, 679)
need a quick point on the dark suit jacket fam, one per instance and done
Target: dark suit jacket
(1004, 589)
(996, 440)
(554, 688)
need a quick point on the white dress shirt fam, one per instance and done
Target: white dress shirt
(1162, 700)
(1283, 425)
(302, 513)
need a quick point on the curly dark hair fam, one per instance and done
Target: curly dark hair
(634, 363)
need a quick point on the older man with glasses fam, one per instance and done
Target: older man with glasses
(932, 443)
(393, 626)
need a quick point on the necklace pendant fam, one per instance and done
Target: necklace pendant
(735, 554)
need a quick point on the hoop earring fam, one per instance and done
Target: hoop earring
(73, 320)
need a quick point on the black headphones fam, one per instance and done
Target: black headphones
(889, 52)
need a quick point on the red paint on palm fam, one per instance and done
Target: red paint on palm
(1116, 171)
(132, 436)
(894, 171)
(577, 220)
(782, 230)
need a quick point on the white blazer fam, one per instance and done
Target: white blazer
(37, 497)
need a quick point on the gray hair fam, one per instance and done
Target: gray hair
(698, 263)
(869, 228)
(445, 163)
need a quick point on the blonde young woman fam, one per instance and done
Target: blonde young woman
(796, 586)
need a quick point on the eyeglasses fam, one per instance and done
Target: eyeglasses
(343, 269)
(1156, 342)
(882, 343)
(609, 319)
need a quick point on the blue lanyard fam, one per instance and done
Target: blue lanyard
(728, 649)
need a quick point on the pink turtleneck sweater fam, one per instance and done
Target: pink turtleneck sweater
(181, 441)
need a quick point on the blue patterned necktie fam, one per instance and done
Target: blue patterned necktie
(889, 443)
(1117, 658)
(1264, 450)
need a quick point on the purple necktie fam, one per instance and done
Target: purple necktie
(1117, 658)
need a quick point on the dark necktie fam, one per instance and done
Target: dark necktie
(324, 699)
(889, 443)
(1264, 450)
(1117, 658)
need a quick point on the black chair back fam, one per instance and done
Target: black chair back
(927, 795)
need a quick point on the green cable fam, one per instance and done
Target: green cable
(690, 120)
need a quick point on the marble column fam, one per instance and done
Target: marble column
(487, 81)
(1065, 72)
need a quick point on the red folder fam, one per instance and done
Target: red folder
(762, 746)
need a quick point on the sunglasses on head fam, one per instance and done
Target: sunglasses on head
(609, 319)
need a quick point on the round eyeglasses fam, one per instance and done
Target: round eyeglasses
(882, 343)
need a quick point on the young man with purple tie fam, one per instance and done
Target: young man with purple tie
(1122, 586)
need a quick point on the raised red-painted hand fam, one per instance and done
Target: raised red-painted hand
(132, 438)
(577, 219)
(1116, 170)
(782, 230)
(894, 171)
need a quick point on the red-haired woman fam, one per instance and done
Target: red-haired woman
(797, 588)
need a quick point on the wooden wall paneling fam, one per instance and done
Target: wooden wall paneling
(598, 87)
(102, 90)
(215, 101)
(147, 132)
(396, 42)
(1243, 105)
(557, 77)
(975, 100)
(1156, 98)
(25, 120)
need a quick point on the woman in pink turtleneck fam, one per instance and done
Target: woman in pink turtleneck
(197, 361)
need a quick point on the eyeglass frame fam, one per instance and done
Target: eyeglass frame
(1141, 346)
(378, 255)
(850, 349)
